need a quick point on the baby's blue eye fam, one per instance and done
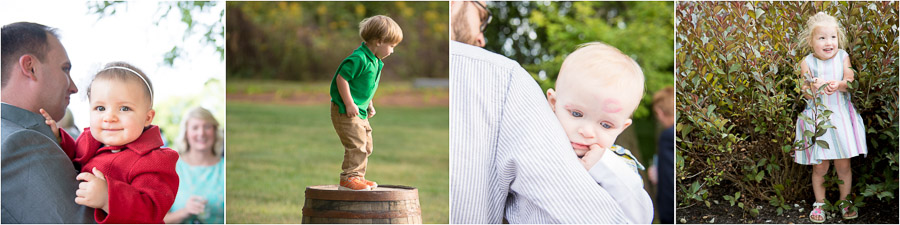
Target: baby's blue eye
(577, 114)
(124, 108)
(606, 125)
(100, 108)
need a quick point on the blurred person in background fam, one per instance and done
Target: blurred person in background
(201, 170)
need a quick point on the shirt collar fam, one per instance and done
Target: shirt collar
(149, 140)
(366, 51)
(27, 119)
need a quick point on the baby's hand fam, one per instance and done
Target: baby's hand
(92, 192)
(49, 121)
(592, 156)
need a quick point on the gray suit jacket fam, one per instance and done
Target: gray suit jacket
(38, 178)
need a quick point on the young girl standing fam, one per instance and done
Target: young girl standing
(829, 66)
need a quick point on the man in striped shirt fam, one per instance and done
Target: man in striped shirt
(510, 158)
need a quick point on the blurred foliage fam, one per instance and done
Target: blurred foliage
(306, 41)
(211, 29)
(739, 99)
(539, 35)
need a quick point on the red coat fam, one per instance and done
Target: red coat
(141, 178)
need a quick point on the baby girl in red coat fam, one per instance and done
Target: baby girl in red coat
(127, 176)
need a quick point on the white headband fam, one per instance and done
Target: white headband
(136, 74)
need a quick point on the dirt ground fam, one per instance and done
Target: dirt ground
(407, 98)
(872, 213)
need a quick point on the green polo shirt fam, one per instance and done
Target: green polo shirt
(362, 70)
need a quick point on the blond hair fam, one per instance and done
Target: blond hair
(597, 56)
(819, 20)
(665, 100)
(181, 143)
(122, 71)
(380, 28)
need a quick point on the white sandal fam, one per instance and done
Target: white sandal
(817, 211)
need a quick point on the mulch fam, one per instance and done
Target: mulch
(720, 211)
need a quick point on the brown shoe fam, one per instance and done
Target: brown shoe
(354, 184)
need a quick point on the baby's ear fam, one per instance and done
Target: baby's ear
(551, 98)
(150, 115)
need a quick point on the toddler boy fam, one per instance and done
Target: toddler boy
(352, 89)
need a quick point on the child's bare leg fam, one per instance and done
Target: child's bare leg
(818, 179)
(845, 174)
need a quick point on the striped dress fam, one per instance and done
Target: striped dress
(847, 139)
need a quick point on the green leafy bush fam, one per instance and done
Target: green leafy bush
(540, 35)
(739, 98)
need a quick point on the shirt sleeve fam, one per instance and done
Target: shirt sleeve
(626, 187)
(351, 67)
(547, 183)
(147, 196)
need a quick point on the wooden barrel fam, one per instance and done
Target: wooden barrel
(389, 204)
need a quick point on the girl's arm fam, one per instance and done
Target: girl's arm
(848, 75)
(804, 73)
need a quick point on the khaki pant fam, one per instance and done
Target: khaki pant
(356, 136)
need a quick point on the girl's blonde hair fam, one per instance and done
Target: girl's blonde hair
(181, 143)
(380, 28)
(819, 20)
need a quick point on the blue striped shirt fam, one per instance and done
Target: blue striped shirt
(509, 156)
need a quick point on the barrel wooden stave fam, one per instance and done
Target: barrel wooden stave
(384, 205)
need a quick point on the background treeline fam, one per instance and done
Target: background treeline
(306, 41)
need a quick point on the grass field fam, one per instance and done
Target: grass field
(275, 151)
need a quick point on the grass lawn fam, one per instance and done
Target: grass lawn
(275, 151)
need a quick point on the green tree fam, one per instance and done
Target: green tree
(211, 30)
(539, 35)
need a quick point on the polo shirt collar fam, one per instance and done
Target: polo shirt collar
(368, 52)
(149, 140)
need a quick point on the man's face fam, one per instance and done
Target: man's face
(52, 74)
(468, 17)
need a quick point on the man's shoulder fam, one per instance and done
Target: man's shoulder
(461, 51)
(8, 127)
(13, 133)
(18, 138)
